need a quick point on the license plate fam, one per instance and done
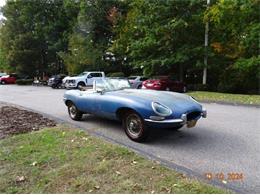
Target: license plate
(191, 123)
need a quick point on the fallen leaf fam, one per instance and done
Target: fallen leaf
(97, 187)
(85, 138)
(152, 192)
(34, 163)
(168, 190)
(153, 167)
(134, 162)
(90, 191)
(118, 173)
(20, 178)
(174, 185)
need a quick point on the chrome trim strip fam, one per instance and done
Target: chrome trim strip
(204, 113)
(160, 114)
(166, 121)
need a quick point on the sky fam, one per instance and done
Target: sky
(2, 2)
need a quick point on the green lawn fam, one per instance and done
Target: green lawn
(63, 160)
(225, 97)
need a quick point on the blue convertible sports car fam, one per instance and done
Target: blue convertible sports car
(138, 109)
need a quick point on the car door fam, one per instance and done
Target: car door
(86, 101)
(105, 105)
(12, 79)
(93, 76)
(96, 76)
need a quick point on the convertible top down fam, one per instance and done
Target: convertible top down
(138, 109)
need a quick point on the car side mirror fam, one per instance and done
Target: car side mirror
(89, 76)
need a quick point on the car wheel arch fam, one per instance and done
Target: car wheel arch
(123, 110)
(81, 83)
(68, 102)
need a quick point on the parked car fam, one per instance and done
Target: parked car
(137, 109)
(56, 81)
(2, 74)
(137, 81)
(8, 79)
(164, 83)
(84, 79)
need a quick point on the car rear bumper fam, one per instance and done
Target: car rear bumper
(152, 87)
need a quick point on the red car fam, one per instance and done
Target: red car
(8, 79)
(164, 83)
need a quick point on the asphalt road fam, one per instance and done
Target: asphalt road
(228, 141)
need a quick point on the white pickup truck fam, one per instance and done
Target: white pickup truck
(83, 79)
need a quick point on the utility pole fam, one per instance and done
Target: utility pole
(204, 82)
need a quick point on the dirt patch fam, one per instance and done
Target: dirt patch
(14, 121)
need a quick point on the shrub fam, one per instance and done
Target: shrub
(116, 74)
(238, 81)
(24, 81)
(198, 87)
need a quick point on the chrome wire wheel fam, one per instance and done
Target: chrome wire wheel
(74, 113)
(134, 125)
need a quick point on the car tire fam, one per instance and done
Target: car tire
(167, 89)
(139, 87)
(74, 113)
(80, 85)
(3, 82)
(134, 126)
(184, 89)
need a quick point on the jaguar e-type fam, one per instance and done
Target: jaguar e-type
(138, 109)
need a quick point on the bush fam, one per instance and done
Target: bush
(237, 81)
(24, 81)
(198, 87)
(116, 74)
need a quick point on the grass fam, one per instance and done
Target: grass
(65, 160)
(225, 97)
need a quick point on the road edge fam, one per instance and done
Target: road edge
(230, 103)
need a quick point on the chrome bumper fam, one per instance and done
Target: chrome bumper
(182, 120)
(204, 113)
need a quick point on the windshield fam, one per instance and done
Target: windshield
(112, 84)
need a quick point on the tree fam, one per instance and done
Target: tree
(34, 32)
(91, 37)
(235, 41)
(161, 36)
